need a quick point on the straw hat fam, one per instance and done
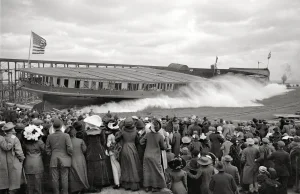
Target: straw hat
(186, 139)
(8, 126)
(204, 161)
(265, 140)
(228, 158)
(262, 169)
(250, 141)
(202, 136)
(112, 126)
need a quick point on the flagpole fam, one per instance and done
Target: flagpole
(29, 50)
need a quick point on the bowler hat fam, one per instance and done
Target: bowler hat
(56, 123)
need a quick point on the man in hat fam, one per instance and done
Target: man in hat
(14, 158)
(265, 150)
(230, 169)
(194, 127)
(226, 145)
(282, 166)
(222, 183)
(59, 146)
(249, 155)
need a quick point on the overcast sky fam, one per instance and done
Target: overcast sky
(156, 32)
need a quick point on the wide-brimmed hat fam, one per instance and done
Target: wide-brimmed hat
(204, 161)
(202, 136)
(193, 164)
(220, 167)
(113, 126)
(128, 123)
(8, 126)
(94, 120)
(19, 126)
(186, 139)
(177, 163)
(135, 117)
(228, 158)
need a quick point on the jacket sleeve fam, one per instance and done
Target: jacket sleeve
(48, 146)
(83, 147)
(18, 150)
(162, 143)
(5, 145)
(69, 145)
(212, 184)
(41, 146)
(233, 185)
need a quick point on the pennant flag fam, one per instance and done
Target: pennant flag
(39, 44)
(216, 59)
(269, 56)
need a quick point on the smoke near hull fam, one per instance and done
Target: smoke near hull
(223, 91)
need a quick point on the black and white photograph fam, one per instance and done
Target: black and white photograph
(149, 96)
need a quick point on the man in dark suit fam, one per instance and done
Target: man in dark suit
(282, 166)
(59, 146)
(222, 183)
(230, 169)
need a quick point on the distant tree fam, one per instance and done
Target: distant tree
(284, 78)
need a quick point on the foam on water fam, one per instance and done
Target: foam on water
(223, 91)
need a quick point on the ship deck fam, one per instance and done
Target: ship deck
(140, 75)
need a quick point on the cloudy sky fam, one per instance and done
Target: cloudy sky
(155, 32)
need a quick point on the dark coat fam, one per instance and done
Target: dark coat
(59, 146)
(216, 143)
(282, 162)
(233, 171)
(222, 183)
(4, 147)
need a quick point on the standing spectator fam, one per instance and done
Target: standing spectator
(14, 158)
(216, 143)
(282, 166)
(194, 176)
(175, 141)
(249, 156)
(178, 176)
(226, 145)
(4, 147)
(78, 172)
(97, 168)
(33, 164)
(230, 169)
(222, 183)
(153, 173)
(129, 159)
(194, 127)
(59, 146)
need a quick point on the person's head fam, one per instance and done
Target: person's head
(71, 131)
(57, 124)
(156, 124)
(280, 144)
(195, 153)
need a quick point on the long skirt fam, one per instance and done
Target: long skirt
(98, 173)
(34, 183)
(116, 169)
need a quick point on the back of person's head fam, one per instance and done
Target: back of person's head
(57, 123)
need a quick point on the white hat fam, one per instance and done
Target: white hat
(110, 126)
(135, 117)
(94, 120)
(202, 136)
(219, 128)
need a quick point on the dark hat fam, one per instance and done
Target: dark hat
(78, 126)
(128, 123)
(57, 123)
(177, 163)
(140, 124)
(19, 126)
(220, 167)
(8, 126)
(37, 122)
(193, 164)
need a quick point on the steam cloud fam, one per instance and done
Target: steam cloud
(223, 91)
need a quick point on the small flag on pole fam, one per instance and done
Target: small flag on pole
(269, 56)
(39, 44)
(216, 59)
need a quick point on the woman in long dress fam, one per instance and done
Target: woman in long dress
(153, 172)
(33, 164)
(97, 169)
(78, 172)
(129, 158)
(178, 176)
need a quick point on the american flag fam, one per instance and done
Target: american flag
(39, 44)
(269, 56)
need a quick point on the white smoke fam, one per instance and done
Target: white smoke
(223, 91)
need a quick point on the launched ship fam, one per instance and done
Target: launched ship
(62, 84)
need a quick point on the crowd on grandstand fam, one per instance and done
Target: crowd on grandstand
(73, 152)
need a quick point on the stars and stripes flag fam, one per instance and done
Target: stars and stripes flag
(38, 43)
(269, 56)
